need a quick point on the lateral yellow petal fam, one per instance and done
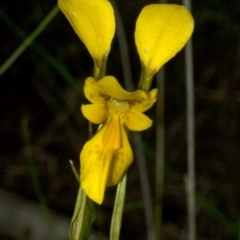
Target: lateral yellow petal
(122, 159)
(137, 121)
(161, 31)
(95, 113)
(145, 103)
(95, 165)
(94, 23)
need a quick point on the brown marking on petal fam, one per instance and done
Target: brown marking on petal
(104, 96)
(134, 102)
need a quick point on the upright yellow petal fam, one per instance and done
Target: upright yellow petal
(161, 31)
(94, 23)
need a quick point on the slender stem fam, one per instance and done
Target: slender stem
(75, 172)
(144, 179)
(45, 22)
(118, 210)
(159, 173)
(160, 145)
(99, 68)
(124, 50)
(145, 80)
(55, 63)
(190, 138)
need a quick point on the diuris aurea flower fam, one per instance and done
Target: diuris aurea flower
(106, 157)
(161, 31)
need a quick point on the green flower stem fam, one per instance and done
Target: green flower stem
(145, 81)
(28, 41)
(118, 209)
(83, 217)
(100, 68)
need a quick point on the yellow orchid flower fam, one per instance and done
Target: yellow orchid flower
(94, 23)
(161, 31)
(107, 155)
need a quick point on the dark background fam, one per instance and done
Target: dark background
(42, 127)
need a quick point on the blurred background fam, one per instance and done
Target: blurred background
(42, 127)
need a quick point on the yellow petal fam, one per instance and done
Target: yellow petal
(112, 136)
(95, 165)
(137, 121)
(152, 95)
(108, 87)
(95, 113)
(93, 91)
(94, 23)
(145, 103)
(105, 88)
(122, 159)
(161, 31)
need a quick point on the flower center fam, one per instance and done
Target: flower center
(118, 106)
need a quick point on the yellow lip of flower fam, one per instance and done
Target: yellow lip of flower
(161, 31)
(106, 157)
(94, 23)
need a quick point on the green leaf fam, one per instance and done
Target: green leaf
(83, 217)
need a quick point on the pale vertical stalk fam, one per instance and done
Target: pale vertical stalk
(160, 145)
(159, 170)
(190, 182)
(29, 39)
(137, 139)
(124, 51)
(144, 179)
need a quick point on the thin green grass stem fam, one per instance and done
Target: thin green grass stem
(76, 174)
(28, 41)
(58, 66)
(118, 210)
(35, 179)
